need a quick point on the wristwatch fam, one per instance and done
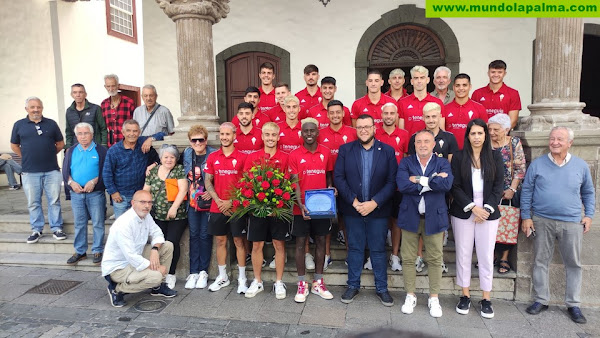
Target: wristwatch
(155, 248)
(513, 189)
(69, 182)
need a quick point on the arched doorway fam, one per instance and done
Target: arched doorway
(404, 38)
(590, 68)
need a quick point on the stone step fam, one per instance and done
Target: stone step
(16, 242)
(47, 260)
(20, 223)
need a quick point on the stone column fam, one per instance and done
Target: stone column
(556, 92)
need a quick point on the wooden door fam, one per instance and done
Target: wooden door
(241, 71)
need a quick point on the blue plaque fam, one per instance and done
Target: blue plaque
(320, 203)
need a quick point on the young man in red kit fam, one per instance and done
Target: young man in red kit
(396, 81)
(332, 137)
(311, 95)
(410, 108)
(462, 109)
(248, 138)
(371, 103)
(266, 73)
(312, 167)
(319, 111)
(290, 137)
(223, 170)
(277, 114)
(497, 97)
(259, 228)
(252, 96)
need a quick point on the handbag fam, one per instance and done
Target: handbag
(510, 217)
(172, 189)
(196, 190)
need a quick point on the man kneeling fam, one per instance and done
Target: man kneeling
(123, 265)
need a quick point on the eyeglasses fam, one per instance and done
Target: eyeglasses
(39, 130)
(364, 127)
(196, 140)
(145, 202)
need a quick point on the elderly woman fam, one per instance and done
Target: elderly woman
(194, 160)
(511, 149)
(170, 216)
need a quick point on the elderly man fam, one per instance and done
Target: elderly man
(124, 170)
(82, 175)
(81, 110)
(37, 140)
(124, 266)
(554, 189)
(155, 120)
(116, 109)
(424, 180)
(441, 80)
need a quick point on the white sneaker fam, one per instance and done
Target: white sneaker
(254, 289)
(192, 279)
(242, 288)
(319, 288)
(171, 280)
(309, 261)
(202, 280)
(389, 238)
(409, 304)
(419, 264)
(445, 242)
(302, 292)
(219, 283)
(395, 263)
(279, 288)
(112, 217)
(272, 264)
(444, 268)
(327, 262)
(368, 264)
(435, 309)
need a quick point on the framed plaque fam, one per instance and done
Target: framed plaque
(320, 203)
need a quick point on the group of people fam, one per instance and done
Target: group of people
(410, 165)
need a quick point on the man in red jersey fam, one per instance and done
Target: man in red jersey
(266, 73)
(312, 167)
(462, 109)
(396, 81)
(252, 95)
(497, 97)
(223, 170)
(311, 95)
(290, 137)
(410, 108)
(248, 138)
(441, 80)
(371, 103)
(277, 114)
(319, 111)
(116, 109)
(260, 228)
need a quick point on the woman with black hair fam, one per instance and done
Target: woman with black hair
(477, 189)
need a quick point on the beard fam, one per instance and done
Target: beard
(367, 140)
(113, 93)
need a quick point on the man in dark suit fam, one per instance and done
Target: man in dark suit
(423, 179)
(364, 176)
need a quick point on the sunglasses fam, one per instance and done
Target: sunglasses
(196, 140)
(168, 146)
(39, 130)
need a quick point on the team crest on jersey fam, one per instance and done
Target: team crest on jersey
(299, 133)
(320, 99)
(322, 157)
(470, 114)
(344, 138)
(234, 161)
(441, 142)
(397, 140)
(501, 97)
(254, 140)
(450, 115)
(302, 161)
(326, 140)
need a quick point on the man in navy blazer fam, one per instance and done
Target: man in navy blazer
(364, 177)
(423, 179)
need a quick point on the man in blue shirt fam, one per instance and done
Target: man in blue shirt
(37, 140)
(125, 166)
(554, 189)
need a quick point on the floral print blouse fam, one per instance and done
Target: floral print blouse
(159, 193)
(517, 168)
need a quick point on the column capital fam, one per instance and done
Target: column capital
(212, 10)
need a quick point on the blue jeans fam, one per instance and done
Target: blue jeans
(120, 208)
(88, 205)
(10, 167)
(362, 231)
(200, 241)
(34, 184)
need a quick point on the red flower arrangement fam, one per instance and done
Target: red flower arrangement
(264, 191)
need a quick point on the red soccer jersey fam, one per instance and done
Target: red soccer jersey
(334, 139)
(410, 109)
(457, 118)
(276, 114)
(226, 171)
(307, 101)
(278, 160)
(259, 120)
(500, 102)
(404, 94)
(248, 143)
(310, 168)
(365, 106)
(290, 139)
(319, 112)
(398, 140)
(267, 100)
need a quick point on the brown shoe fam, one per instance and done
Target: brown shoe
(97, 258)
(76, 258)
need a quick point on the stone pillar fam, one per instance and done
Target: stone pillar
(556, 92)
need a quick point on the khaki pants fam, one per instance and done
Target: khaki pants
(433, 257)
(129, 280)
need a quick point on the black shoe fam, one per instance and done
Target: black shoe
(163, 290)
(349, 295)
(76, 258)
(385, 298)
(536, 308)
(486, 309)
(34, 238)
(59, 235)
(576, 315)
(97, 258)
(463, 306)
(117, 299)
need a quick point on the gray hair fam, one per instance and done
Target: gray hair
(33, 98)
(442, 68)
(390, 104)
(83, 125)
(149, 86)
(502, 119)
(168, 148)
(567, 129)
(111, 76)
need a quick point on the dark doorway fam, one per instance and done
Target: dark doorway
(131, 92)
(590, 68)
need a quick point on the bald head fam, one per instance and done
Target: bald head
(142, 203)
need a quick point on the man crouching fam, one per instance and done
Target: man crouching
(123, 265)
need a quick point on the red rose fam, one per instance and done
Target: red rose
(248, 193)
(278, 192)
(236, 203)
(276, 182)
(259, 178)
(286, 176)
(250, 175)
(280, 204)
(239, 184)
(261, 196)
(246, 203)
(293, 186)
(248, 185)
(286, 196)
(265, 185)
(269, 174)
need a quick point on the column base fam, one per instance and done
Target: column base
(180, 138)
(546, 115)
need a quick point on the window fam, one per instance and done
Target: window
(120, 19)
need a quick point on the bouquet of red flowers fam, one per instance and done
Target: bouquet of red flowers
(264, 191)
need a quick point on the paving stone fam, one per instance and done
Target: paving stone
(159, 321)
(458, 332)
(80, 298)
(257, 329)
(14, 291)
(324, 316)
(34, 299)
(278, 317)
(310, 331)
